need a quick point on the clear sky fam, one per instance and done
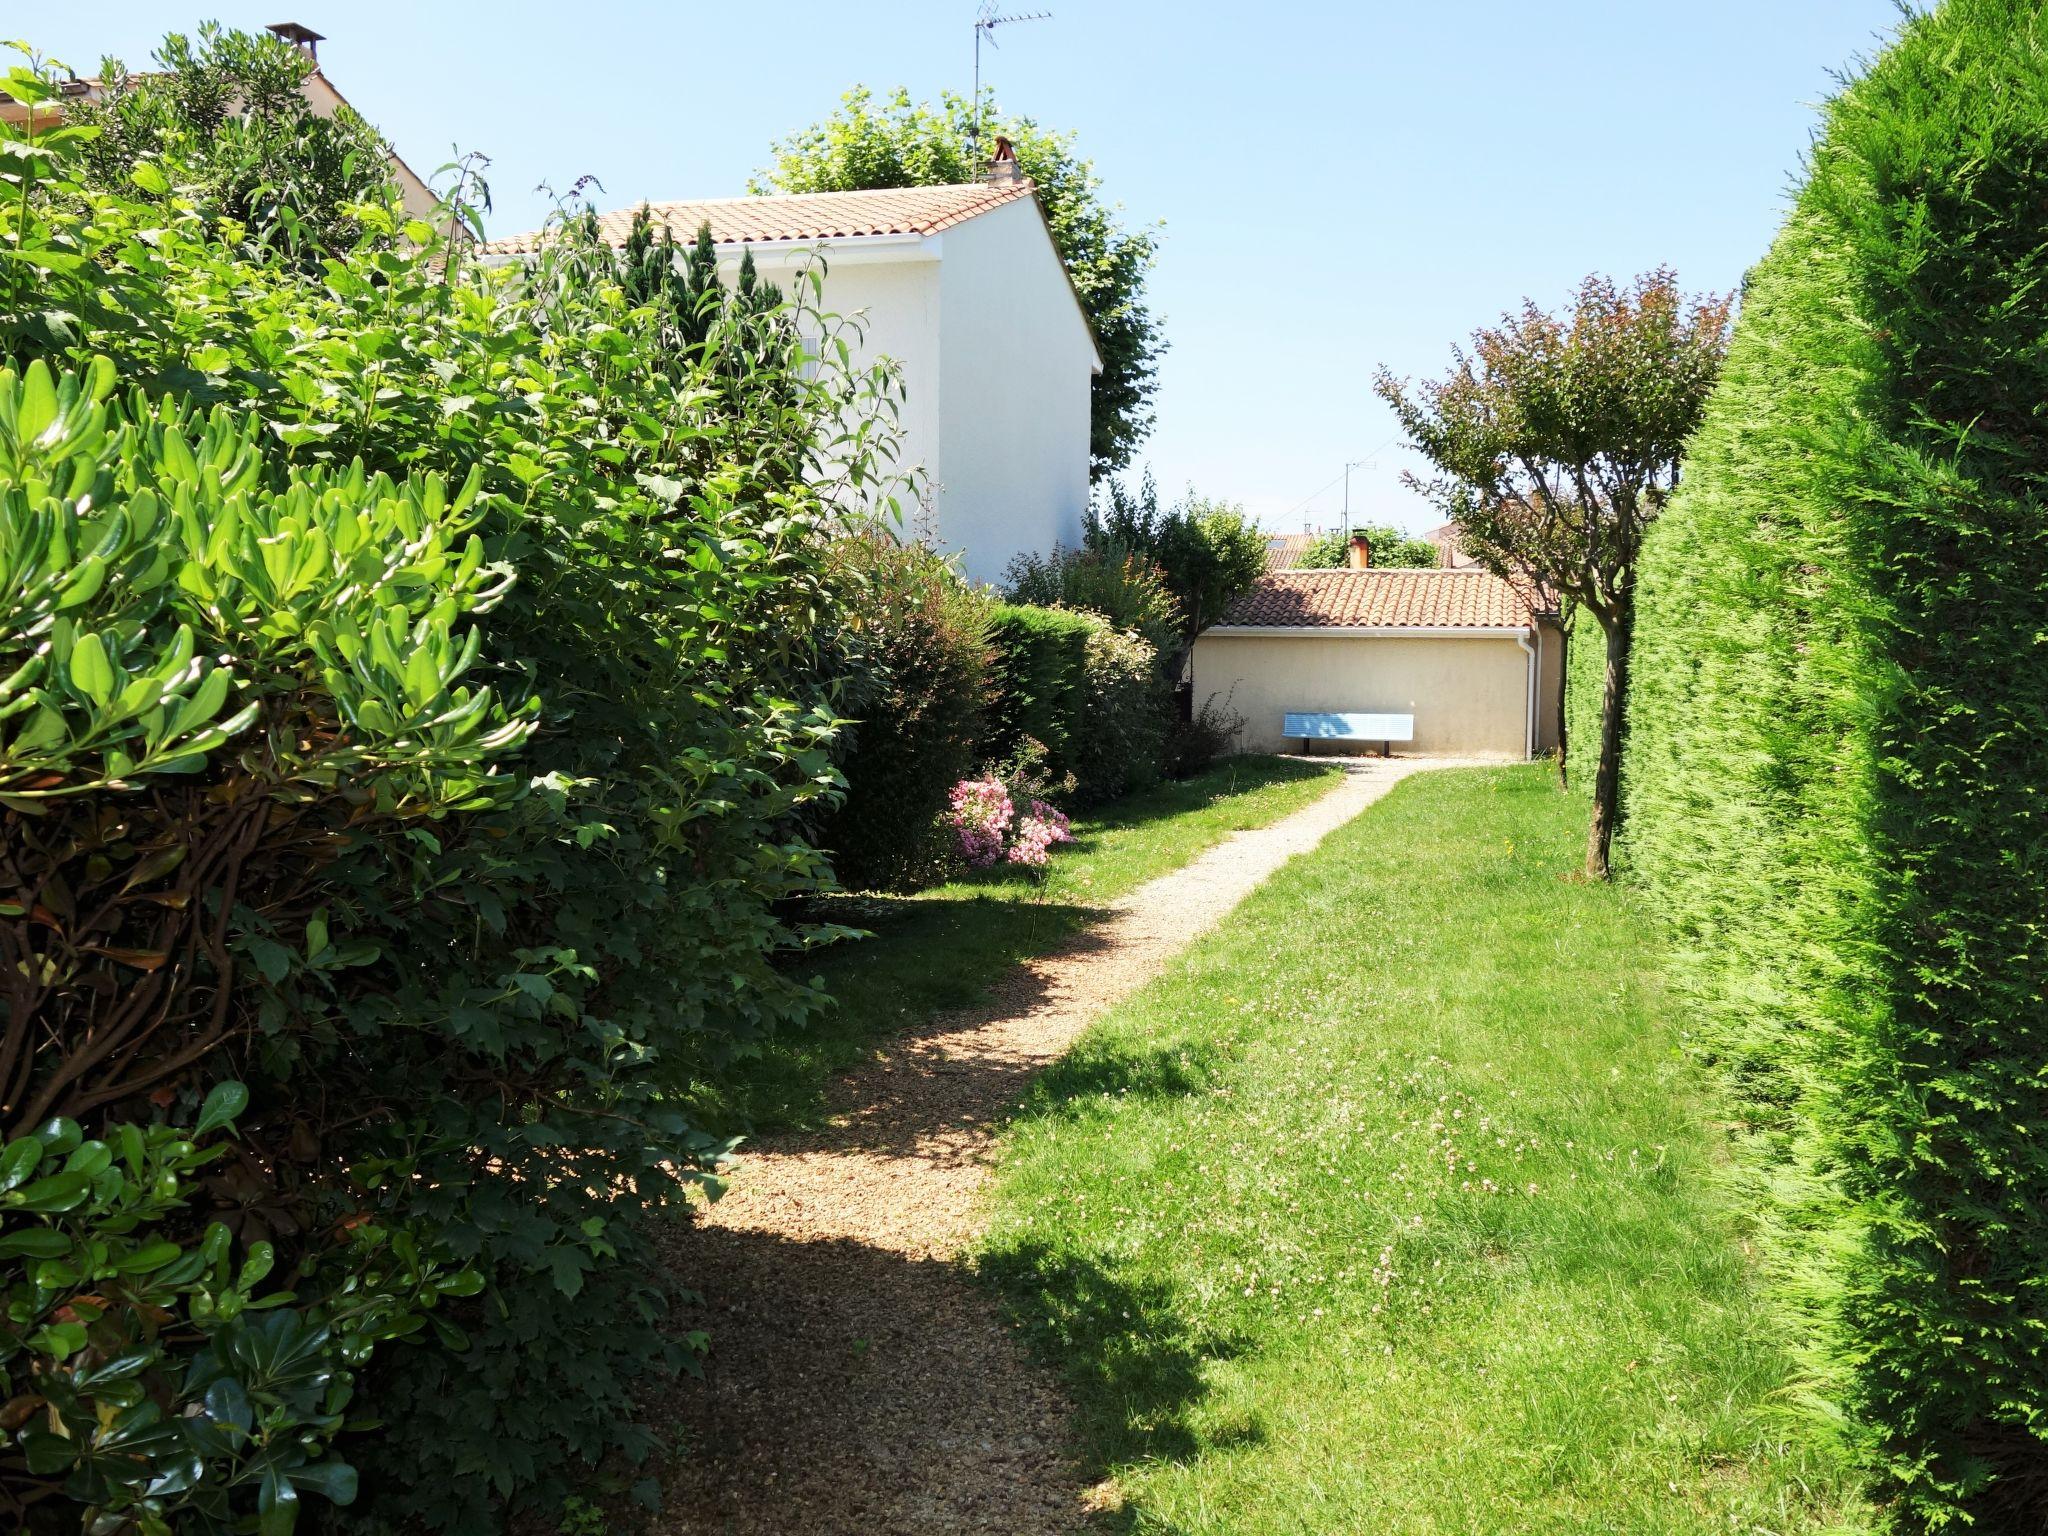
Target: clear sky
(1342, 185)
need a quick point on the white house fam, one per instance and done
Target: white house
(963, 287)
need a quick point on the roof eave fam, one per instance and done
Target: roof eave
(1379, 631)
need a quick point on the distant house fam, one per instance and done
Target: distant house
(1469, 655)
(1284, 551)
(1450, 553)
(963, 287)
(320, 93)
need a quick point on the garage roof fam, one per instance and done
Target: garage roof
(1388, 598)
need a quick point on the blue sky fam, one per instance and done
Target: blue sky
(1342, 185)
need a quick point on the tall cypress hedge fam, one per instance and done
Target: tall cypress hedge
(1839, 750)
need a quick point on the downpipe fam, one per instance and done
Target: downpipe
(1535, 656)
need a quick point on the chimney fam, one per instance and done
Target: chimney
(1359, 556)
(304, 37)
(1002, 166)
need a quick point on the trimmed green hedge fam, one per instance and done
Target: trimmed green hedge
(1838, 747)
(1585, 680)
(1041, 673)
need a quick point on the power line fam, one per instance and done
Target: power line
(1362, 459)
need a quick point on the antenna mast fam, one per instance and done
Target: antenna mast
(985, 25)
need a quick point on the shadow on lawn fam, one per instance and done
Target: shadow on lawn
(1133, 1362)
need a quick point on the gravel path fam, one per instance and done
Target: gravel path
(859, 1381)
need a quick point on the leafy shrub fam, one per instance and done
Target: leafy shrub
(1125, 588)
(229, 113)
(1211, 731)
(1389, 546)
(147, 1379)
(919, 669)
(464, 1026)
(1838, 747)
(1208, 551)
(1041, 677)
(1127, 705)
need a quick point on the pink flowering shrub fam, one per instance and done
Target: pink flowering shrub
(1039, 830)
(984, 818)
(980, 812)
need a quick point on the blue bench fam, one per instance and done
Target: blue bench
(1384, 729)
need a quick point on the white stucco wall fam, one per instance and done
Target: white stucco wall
(997, 364)
(1016, 364)
(1469, 695)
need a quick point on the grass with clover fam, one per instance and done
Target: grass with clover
(1394, 1206)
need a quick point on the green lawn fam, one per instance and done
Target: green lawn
(1394, 1207)
(942, 947)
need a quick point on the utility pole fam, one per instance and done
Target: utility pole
(985, 25)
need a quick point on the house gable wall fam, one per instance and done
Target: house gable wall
(1017, 359)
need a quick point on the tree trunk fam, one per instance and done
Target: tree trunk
(1607, 775)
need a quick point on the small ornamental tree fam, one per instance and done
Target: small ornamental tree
(1556, 441)
(894, 142)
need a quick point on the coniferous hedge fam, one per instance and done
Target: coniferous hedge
(1839, 746)
(1041, 673)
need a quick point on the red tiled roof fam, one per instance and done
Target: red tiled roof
(1284, 550)
(1387, 598)
(803, 215)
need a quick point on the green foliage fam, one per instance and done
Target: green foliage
(1389, 545)
(1837, 749)
(228, 118)
(148, 1376)
(1585, 680)
(1041, 680)
(1208, 551)
(894, 142)
(464, 1008)
(1127, 706)
(1125, 588)
(915, 648)
(1555, 444)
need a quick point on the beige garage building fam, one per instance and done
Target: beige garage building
(1463, 651)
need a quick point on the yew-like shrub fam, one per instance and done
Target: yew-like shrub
(1838, 749)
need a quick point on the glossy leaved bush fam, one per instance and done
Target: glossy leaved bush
(157, 1373)
(461, 953)
(1837, 748)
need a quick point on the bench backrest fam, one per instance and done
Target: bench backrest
(1321, 727)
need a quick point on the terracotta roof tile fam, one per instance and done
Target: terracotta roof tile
(1284, 550)
(803, 216)
(1381, 599)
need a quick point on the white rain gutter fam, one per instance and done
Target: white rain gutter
(1535, 662)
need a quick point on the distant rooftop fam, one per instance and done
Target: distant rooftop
(802, 216)
(1381, 598)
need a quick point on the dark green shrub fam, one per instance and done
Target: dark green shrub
(1126, 710)
(920, 670)
(1838, 751)
(160, 1382)
(1041, 675)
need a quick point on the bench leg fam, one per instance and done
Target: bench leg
(1386, 749)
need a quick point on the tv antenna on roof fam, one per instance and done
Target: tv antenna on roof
(985, 25)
